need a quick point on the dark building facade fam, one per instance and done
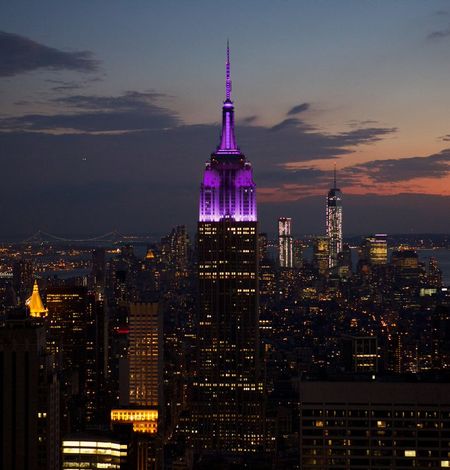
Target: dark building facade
(29, 399)
(374, 425)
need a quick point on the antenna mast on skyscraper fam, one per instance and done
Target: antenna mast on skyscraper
(228, 75)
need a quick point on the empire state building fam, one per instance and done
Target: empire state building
(227, 391)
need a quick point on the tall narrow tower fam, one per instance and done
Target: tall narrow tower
(227, 392)
(334, 221)
(285, 243)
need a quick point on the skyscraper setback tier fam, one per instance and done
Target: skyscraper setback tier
(227, 392)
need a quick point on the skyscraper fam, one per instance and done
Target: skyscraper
(227, 393)
(71, 339)
(34, 303)
(144, 354)
(334, 222)
(29, 398)
(285, 244)
(374, 250)
(321, 254)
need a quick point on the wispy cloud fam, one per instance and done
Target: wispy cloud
(299, 108)
(439, 34)
(132, 111)
(20, 54)
(405, 169)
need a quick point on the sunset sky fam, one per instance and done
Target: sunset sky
(109, 110)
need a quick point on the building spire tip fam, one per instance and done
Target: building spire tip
(228, 75)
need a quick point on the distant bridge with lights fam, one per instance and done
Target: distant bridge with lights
(114, 237)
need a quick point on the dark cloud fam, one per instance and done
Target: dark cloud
(131, 100)
(439, 34)
(286, 124)
(303, 176)
(129, 112)
(249, 119)
(445, 138)
(300, 108)
(20, 54)
(358, 123)
(405, 169)
(442, 12)
(64, 85)
(142, 180)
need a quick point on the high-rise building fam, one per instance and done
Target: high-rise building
(141, 383)
(334, 222)
(227, 392)
(360, 354)
(175, 247)
(29, 399)
(22, 279)
(406, 266)
(92, 451)
(262, 246)
(98, 273)
(144, 354)
(374, 425)
(72, 341)
(321, 254)
(285, 243)
(297, 254)
(374, 250)
(34, 303)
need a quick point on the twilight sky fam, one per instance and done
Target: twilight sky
(109, 110)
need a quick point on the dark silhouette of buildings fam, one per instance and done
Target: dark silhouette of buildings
(29, 399)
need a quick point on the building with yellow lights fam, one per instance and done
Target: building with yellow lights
(91, 452)
(35, 304)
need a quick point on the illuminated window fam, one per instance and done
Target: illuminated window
(410, 453)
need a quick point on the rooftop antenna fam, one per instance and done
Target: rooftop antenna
(228, 76)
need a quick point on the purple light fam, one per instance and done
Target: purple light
(228, 190)
(228, 140)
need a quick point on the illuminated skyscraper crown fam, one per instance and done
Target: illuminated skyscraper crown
(228, 190)
(34, 303)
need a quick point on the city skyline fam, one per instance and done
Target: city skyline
(116, 117)
(226, 349)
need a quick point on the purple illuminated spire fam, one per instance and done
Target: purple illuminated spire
(228, 140)
(228, 190)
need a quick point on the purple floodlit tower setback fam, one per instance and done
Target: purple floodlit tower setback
(228, 190)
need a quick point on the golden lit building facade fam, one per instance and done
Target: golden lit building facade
(35, 304)
(90, 452)
(144, 354)
(321, 254)
(374, 249)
